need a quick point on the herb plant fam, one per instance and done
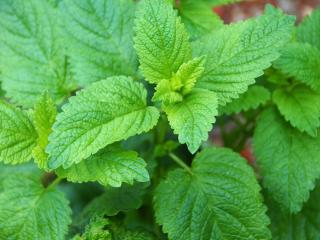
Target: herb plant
(106, 111)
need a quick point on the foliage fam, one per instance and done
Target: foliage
(106, 114)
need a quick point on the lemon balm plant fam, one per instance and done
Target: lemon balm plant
(106, 110)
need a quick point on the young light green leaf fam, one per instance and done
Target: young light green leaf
(17, 135)
(181, 83)
(101, 34)
(28, 211)
(106, 112)
(301, 107)
(289, 160)
(221, 200)
(238, 53)
(161, 40)
(309, 30)
(44, 116)
(111, 166)
(198, 18)
(301, 61)
(302, 226)
(251, 99)
(192, 118)
(32, 56)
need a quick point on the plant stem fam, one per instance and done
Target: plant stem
(55, 182)
(180, 162)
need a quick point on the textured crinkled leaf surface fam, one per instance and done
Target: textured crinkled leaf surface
(251, 99)
(289, 160)
(301, 61)
(301, 226)
(17, 135)
(101, 34)
(221, 200)
(32, 58)
(198, 18)
(161, 40)
(301, 107)
(192, 118)
(309, 30)
(238, 53)
(28, 211)
(110, 166)
(106, 112)
(44, 116)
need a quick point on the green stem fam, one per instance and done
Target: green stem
(55, 182)
(180, 163)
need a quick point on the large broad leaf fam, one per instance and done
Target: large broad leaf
(301, 61)
(161, 40)
(28, 211)
(309, 30)
(101, 35)
(17, 135)
(110, 166)
(301, 226)
(192, 118)
(301, 107)
(106, 112)
(44, 116)
(220, 200)
(289, 160)
(32, 57)
(238, 53)
(251, 99)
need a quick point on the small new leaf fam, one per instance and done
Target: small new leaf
(17, 135)
(106, 112)
(111, 166)
(192, 118)
(289, 160)
(161, 40)
(221, 200)
(44, 116)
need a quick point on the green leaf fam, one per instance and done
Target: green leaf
(115, 200)
(161, 40)
(28, 211)
(198, 18)
(221, 2)
(221, 200)
(309, 30)
(44, 116)
(301, 61)
(302, 226)
(101, 34)
(181, 83)
(238, 53)
(289, 160)
(192, 118)
(301, 107)
(251, 99)
(106, 112)
(32, 58)
(17, 135)
(110, 166)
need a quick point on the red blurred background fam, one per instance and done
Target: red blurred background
(250, 8)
